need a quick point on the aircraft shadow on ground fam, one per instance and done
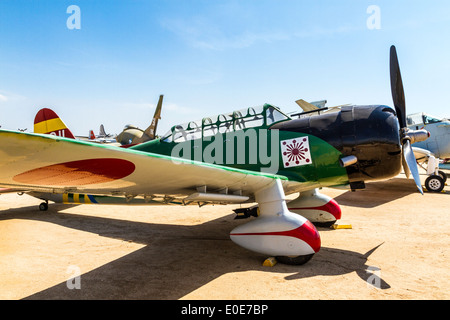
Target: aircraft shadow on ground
(379, 193)
(176, 260)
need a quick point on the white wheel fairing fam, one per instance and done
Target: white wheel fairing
(315, 215)
(277, 231)
(316, 207)
(286, 235)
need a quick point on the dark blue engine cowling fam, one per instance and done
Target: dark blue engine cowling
(371, 133)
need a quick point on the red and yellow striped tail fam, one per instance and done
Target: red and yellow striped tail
(48, 122)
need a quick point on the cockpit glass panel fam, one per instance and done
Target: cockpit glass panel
(223, 123)
(273, 115)
(429, 119)
(415, 118)
(226, 126)
(179, 134)
(209, 127)
(186, 132)
(167, 137)
(210, 130)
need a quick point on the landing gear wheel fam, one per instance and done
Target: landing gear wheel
(443, 175)
(43, 206)
(298, 260)
(434, 183)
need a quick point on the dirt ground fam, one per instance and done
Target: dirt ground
(398, 248)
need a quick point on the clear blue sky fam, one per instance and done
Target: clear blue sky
(214, 56)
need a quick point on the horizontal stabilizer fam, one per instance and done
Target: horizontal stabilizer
(306, 106)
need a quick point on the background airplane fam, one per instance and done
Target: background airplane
(315, 107)
(133, 135)
(439, 142)
(102, 136)
(48, 122)
(434, 149)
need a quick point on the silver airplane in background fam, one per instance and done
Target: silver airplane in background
(433, 150)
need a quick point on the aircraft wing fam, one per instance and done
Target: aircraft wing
(48, 163)
(10, 190)
(421, 154)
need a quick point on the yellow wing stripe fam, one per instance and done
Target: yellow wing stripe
(51, 125)
(76, 198)
(86, 199)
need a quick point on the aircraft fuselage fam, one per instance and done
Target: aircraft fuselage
(307, 150)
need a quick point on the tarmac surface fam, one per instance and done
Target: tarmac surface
(398, 248)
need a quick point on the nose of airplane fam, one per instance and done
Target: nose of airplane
(371, 133)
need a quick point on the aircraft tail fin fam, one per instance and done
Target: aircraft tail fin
(102, 132)
(151, 130)
(91, 135)
(48, 122)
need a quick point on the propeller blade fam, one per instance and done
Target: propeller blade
(405, 167)
(398, 95)
(408, 156)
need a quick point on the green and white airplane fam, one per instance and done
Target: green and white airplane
(256, 155)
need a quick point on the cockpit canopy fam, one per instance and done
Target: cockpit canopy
(421, 118)
(254, 117)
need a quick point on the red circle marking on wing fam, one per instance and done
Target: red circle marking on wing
(78, 173)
